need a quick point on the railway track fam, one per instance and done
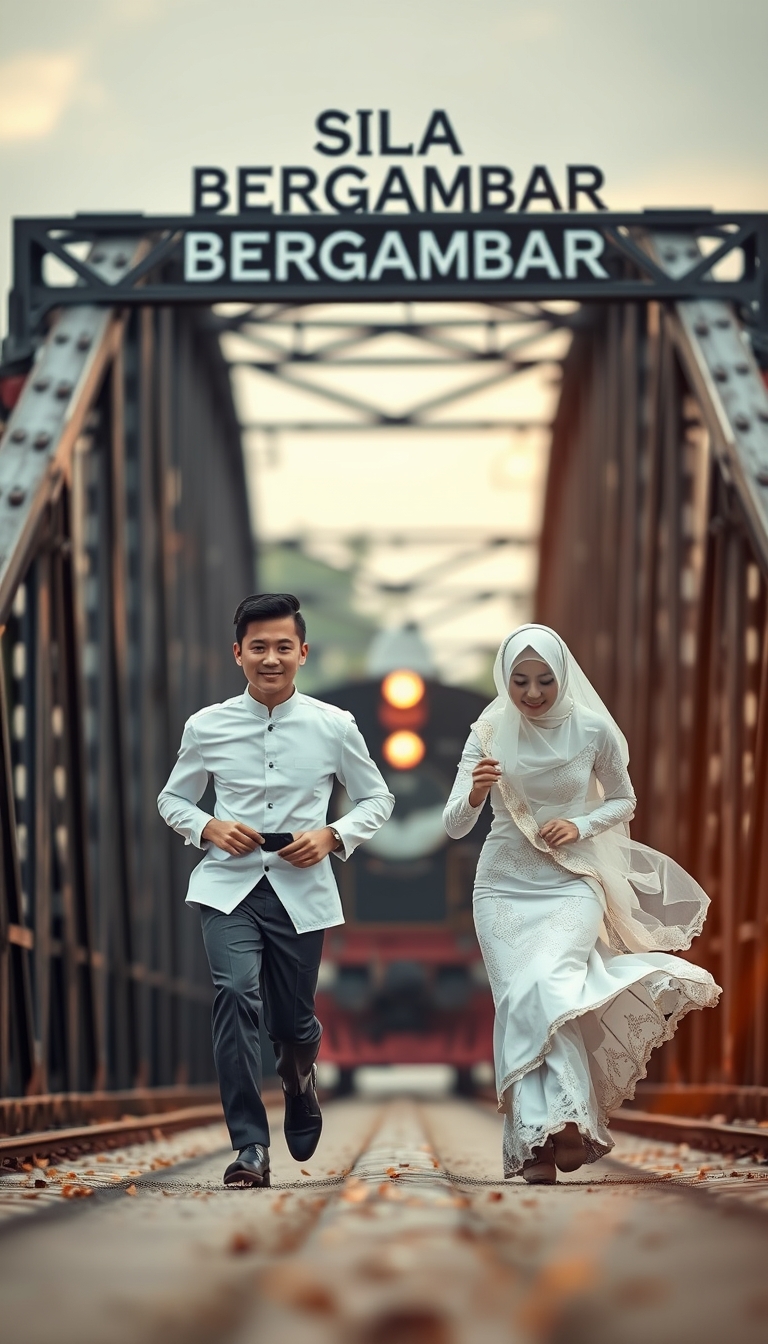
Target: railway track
(63, 1140)
(400, 1229)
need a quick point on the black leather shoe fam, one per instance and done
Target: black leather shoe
(303, 1120)
(250, 1167)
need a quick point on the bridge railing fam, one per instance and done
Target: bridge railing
(654, 567)
(125, 544)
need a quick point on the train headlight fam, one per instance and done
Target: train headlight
(402, 689)
(404, 750)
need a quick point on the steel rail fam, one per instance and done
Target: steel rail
(706, 1134)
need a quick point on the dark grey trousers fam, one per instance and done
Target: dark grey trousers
(255, 952)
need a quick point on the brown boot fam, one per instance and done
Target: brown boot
(541, 1169)
(570, 1153)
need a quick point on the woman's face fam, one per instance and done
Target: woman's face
(532, 688)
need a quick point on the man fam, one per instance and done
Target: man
(266, 897)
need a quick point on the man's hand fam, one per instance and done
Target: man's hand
(558, 833)
(309, 847)
(233, 836)
(485, 774)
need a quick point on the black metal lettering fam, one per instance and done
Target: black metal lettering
(396, 188)
(358, 196)
(589, 189)
(439, 120)
(209, 182)
(364, 124)
(291, 188)
(434, 183)
(495, 180)
(248, 185)
(384, 146)
(324, 127)
(540, 188)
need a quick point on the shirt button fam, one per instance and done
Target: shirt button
(270, 804)
(266, 867)
(271, 766)
(270, 727)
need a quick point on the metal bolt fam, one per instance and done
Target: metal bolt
(742, 421)
(670, 254)
(84, 341)
(720, 374)
(41, 384)
(702, 328)
(42, 439)
(98, 256)
(61, 338)
(17, 495)
(742, 367)
(18, 436)
(121, 260)
(723, 322)
(692, 253)
(63, 391)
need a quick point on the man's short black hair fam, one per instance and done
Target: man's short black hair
(268, 607)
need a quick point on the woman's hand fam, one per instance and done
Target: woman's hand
(558, 833)
(485, 774)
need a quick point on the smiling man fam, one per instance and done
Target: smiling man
(265, 885)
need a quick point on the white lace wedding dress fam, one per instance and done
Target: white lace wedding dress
(576, 1018)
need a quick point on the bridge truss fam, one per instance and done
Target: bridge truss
(125, 543)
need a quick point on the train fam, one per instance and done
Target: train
(402, 980)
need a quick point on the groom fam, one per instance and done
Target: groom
(265, 887)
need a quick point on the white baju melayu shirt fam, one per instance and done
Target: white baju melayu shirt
(274, 772)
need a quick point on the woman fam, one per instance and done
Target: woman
(575, 920)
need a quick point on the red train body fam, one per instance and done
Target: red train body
(402, 980)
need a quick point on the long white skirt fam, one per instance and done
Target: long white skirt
(575, 1022)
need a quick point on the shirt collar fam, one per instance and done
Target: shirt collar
(261, 711)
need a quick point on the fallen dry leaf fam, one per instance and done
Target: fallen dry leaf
(305, 1173)
(393, 1174)
(76, 1191)
(495, 1196)
(29, 1194)
(42, 1162)
(355, 1193)
(102, 1158)
(130, 1190)
(27, 1166)
(240, 1243)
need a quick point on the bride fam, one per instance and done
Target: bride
(576, 922)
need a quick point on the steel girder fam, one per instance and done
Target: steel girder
(126, 545)
(654, 566)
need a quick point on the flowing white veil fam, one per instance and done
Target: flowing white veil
(651, 903)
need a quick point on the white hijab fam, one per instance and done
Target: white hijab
(524, 745)
(650, 902)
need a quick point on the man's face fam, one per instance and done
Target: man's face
(271, 654)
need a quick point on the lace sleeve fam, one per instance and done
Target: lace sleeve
(619, 802)
(459, 817)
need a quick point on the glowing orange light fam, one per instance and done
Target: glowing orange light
(404, 749)
(402, 689)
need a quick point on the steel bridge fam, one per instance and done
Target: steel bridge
(125, 543)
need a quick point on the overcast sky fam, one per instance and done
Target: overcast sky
(106, 104)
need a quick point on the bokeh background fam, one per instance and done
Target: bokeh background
(105, 105)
